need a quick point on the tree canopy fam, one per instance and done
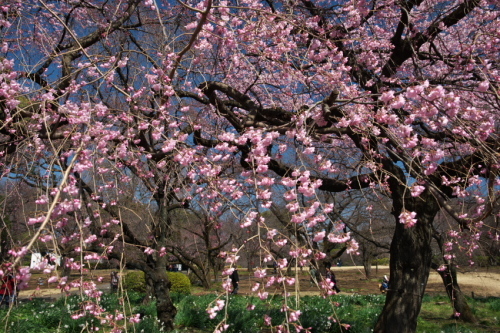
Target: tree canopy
(231, 107)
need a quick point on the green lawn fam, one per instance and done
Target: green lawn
(358, 313)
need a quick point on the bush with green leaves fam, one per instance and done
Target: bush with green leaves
(180, 283)
(135, 281)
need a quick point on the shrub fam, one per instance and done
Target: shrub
(135, 281)
(180, 283)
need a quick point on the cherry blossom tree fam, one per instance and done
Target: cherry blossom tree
(408, 90)
(392, 97)
(81, 47)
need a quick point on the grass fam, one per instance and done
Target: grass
(436, 316)
(332, 315)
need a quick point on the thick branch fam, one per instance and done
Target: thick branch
(407, 47)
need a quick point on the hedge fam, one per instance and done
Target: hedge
(136, 281)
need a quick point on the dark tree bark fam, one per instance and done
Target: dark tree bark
(411, 258)
(367, 265)
(450, 281)
(165, 309)
(150, 290)
(457, 298)
(367, 258)
(410, 264)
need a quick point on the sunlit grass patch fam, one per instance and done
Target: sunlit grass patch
(245, 314)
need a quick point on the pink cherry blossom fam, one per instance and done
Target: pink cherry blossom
(408, 219)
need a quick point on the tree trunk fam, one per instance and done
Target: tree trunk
(205, 279)
(367, 264)
(457, 298)
(411, 257)
(165, 309)
(367, 256)
(150, 292)
(450, 281)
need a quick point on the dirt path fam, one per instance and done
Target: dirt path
(351, 280)
(481, 282)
